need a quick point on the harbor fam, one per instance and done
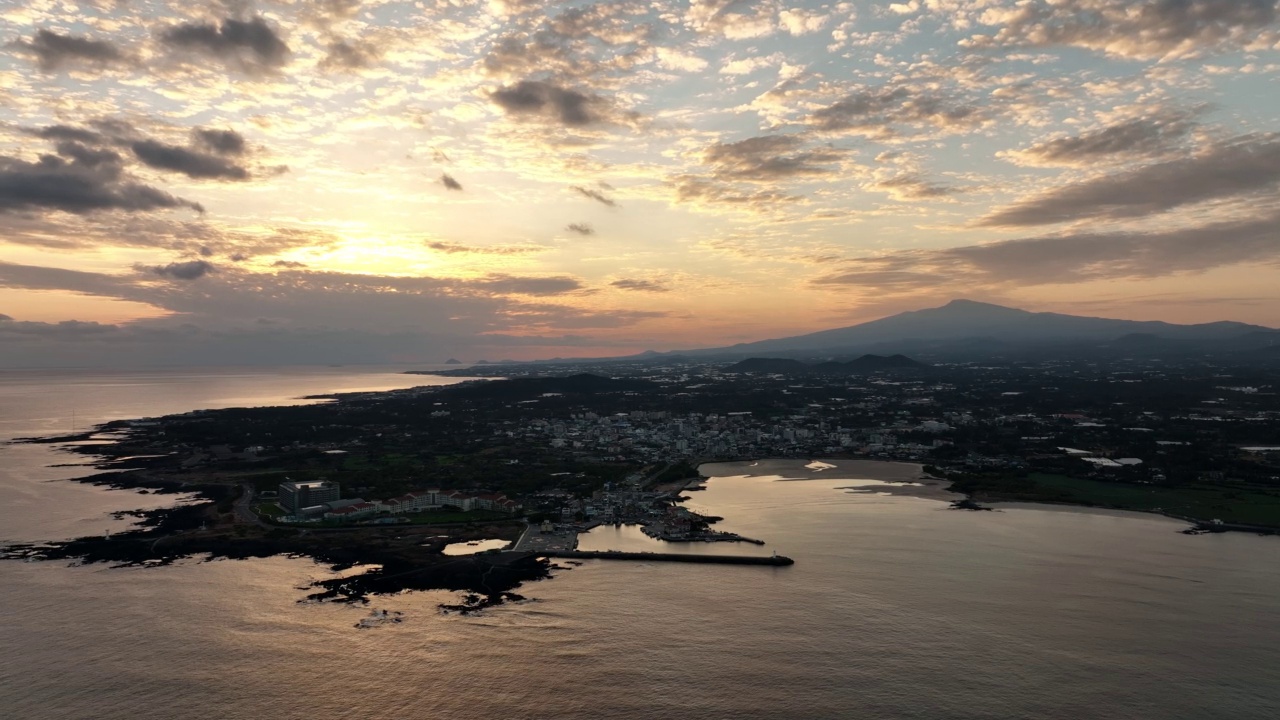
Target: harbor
(775, 560)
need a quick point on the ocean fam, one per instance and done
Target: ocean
(897, 607)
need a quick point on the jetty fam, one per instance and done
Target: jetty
(774, 560)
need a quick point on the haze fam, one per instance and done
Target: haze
(379, 181)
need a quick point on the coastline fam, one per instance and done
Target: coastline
(909, 479)
(204, 524)
(894, 478)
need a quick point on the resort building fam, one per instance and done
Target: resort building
(297, 495)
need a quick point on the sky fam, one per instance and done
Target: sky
(341, 181)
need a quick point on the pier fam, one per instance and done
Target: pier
(774, 560)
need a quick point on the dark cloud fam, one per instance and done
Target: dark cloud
(534, 98)
(456, 248)
(640, 285)
(290, 315)
(289, 264)
(66, 132)
(250, 44)
(222, 142)
(87, 156)
(198, 165)
(768, 158)
(12, 331)
(877, 111)
(347, 55)
(580, 228)
(76, 186)
(1138, 138)
(53, 51)
(1236, 168)
(518, 285)
(594, 195)
(1081, 257)
(189, 270)
(449, 183)
(1123, 28)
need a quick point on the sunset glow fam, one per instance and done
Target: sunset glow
(519, 179)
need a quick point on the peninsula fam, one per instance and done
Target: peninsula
(539, 452)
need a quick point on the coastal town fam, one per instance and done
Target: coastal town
(1194, 440)
(484, 484)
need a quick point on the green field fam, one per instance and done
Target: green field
(268, 510)
(1229, 503)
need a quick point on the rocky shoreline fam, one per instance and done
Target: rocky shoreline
(205, 526)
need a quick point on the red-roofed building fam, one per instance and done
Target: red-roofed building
(352, 512)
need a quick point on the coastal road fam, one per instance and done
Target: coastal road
(244, 507)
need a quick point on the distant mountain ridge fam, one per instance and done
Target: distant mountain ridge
(976, 328)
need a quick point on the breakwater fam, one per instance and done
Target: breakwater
(775, 560)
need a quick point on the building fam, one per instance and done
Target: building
(352, 512)
(297, 495)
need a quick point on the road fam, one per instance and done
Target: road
(244, 507)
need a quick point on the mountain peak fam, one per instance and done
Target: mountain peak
(974, 306)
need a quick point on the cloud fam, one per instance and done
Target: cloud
(189, 270)
(450, 184)
(223, 142)
(580, 228)
(456, 248)
(750, 64)
(1122, 28)
(87, 156)
(592, 194)
(77, 186)
(876, 112)
(733, 19)
(53, 51)
(347, 55)
(502, 284)
(193, 164)
(752, 173)
(250, 45)
(672, 59)
(1073, 258)
(640, 285)
(552, 103)
(769, 157)
(66, 132)
(701, 191)
(912, 186)
(288, 264)
(1234, 168)
(1144, 137)
(801, 22)
(289, 315)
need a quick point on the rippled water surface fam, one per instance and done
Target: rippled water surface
(896, 607)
